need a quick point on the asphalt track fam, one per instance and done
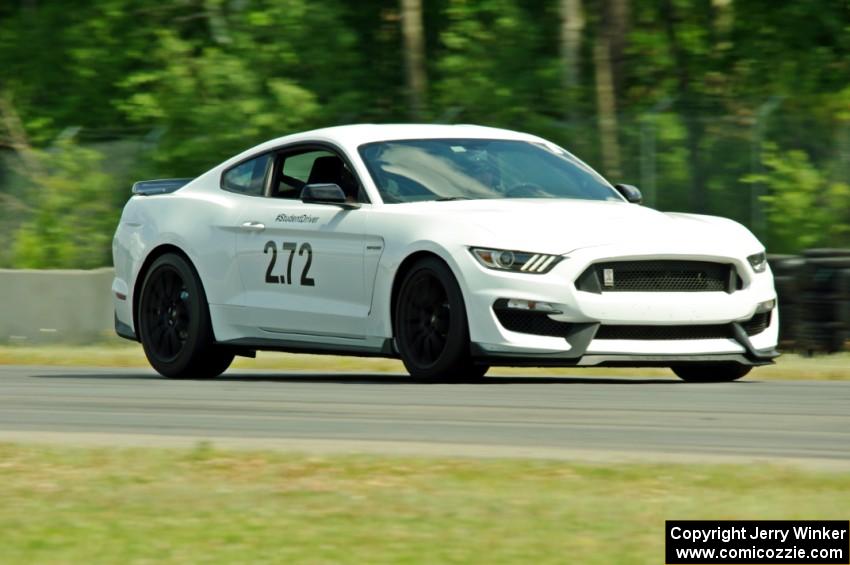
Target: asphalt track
(589, 418)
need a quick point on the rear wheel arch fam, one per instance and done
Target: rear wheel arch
(174, 322)
(155, 254)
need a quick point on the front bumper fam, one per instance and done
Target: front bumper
(629, 353)
(584, 313)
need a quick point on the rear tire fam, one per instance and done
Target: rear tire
(174, 322)
(711, 372)
(431, 328)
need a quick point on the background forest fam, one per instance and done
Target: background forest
(733, 107)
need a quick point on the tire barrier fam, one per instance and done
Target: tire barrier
(814, 300)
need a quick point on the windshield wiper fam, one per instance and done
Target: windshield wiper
(448, 198)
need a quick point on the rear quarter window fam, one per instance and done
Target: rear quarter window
(247, 177)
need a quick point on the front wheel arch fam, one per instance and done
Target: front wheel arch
(432, 343)
(405, 266)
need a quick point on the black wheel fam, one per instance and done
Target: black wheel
(431, 330)
(711, 372)
(174, 322)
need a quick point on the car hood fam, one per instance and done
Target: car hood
(562, 226)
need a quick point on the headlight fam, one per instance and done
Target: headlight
(515, 261)
(758, 262)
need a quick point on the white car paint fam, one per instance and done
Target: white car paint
(357, 254)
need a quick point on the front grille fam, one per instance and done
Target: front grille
(527, 322)
(659, 276)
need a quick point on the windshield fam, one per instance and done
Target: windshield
(456, 169)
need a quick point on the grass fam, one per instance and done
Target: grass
(204, 505)
(118, 353)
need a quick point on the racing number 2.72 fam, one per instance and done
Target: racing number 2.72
(271, 247)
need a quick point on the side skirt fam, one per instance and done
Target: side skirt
(381, 348)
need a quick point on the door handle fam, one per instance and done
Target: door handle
(253, 226)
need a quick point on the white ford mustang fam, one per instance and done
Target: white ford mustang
(451, 247)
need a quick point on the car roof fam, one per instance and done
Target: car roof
(352, 136)
(367, 133)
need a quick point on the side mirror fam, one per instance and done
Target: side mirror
(630, 193)
(326, 193)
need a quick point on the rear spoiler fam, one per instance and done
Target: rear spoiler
(161, 186)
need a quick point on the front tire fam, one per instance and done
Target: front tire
(711, 372)
(174, 322)
(431, 328)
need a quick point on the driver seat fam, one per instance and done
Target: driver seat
(332, 169)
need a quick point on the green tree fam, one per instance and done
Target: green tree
(803, 207)
(203, 79)
(212, 104)
(73, 214)
(490, 69)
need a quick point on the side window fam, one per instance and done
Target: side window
(247, 177)
(299, 166)
(295, 172)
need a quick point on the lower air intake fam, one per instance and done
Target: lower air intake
(717, 331)
(753, 326)
(539, 323)
(535, 323)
